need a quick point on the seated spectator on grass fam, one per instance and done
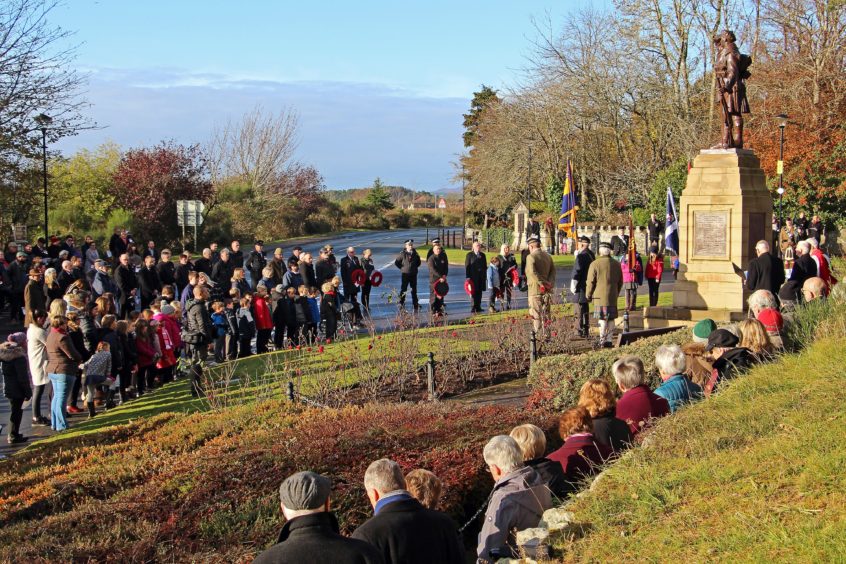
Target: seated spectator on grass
(424, 486)
(518, 501)
(639, 404)
(773, 322)
(532, 443)
(598, 398)
(677, 388)
(702, 329)
(754, 336)
(401, 529)
(698, 363)
(311, 533)
(581, 456)
(814, 288)
(760, 300)
(729, 359)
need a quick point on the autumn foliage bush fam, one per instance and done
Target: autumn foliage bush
(203, 487)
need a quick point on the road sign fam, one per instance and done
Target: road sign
(189, 213)
(442, 204)
(19, 232)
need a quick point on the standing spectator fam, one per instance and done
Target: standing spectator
(236, 255)
(654, 227)
(540, 279)
(620, 244)
(199, 334)
(66, 277)
(96, 370)
(329, 311)
(215, 253)
(654, 271)
(118, 244)
(349, 263)
(804, 267)
(438, 270)
(246, 328)
(223, 270)
(239, 282)
(307, 270)
(277, 266)
(598, 398)
(314, 305)
(18, 279)
(292, 278)
(148, 282)
(584, 258)
(264, 320)
(518, 501)
(102, 283)
(425, 487)
(151, 251)
(34, 296)
(165, 269)
(677, 388)
(604, 282)
(532, 229)
(148, 355)
(408, 262)
(788, 237)
(632, 279)
(401, 529)
(204, 264)
(766, 271)
(181, 271)
(304, 316)
(323, 269)
(507, 271)
(170, 342)
(90, 256)
(801, 223)
(311, 532)
(823, 263)
(581, 455)
(639, 404)
(36, 345)
(493, 284)
(62, 362)
(127, 285)
(532, 443)
(15, 382)
(475, 271)
(256, 263)
(816, 229)
(230, 311)
(218, 318)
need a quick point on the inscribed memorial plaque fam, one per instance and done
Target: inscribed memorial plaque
(710, 233)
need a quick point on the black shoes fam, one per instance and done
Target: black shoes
(17, 439)
(40, 422)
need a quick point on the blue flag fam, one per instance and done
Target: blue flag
(671, 232)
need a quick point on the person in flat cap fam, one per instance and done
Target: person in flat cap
(604, 284)
(408, 262)
(578, 284)
(311, 532)
(729, 359)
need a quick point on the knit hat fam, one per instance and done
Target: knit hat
(17, 338)
(304, 490)
(771, 319)
(168, 309)
(702, 329)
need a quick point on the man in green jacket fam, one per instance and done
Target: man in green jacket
(540, 278)
(604, 283)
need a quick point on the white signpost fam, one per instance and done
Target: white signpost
(189, 213)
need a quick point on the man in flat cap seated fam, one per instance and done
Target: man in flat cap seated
(311, 533)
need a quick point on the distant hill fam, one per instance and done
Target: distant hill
(400, 195)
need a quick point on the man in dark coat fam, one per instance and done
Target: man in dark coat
(579, 284)
(438, 268)
(323, 269)
(148, 282)
(127, 285)
(166, 269)
(222, 269)
(475, 270)
(17, 273)
(311, 532)
(349, 263)
(180, 272)
(408, 261)
(431, 251)
(766, 271)
(401, 529)
(654, 227)
(804, 267)
(204, 264)
(256, 263)
(236, 255)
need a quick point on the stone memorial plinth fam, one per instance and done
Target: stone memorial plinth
(725, 209)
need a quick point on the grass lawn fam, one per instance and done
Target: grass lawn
(754, 474)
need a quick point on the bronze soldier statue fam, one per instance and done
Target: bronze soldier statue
(732, 69)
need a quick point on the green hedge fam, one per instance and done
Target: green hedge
(556, 380)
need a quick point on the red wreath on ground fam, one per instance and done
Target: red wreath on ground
(441, 288)
(468, 287)
(358, 277)
(376, 279)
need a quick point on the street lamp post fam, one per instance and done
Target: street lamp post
(782, 123)
(44, 121)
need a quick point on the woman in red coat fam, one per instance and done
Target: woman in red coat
(654, 270)
(263, 319)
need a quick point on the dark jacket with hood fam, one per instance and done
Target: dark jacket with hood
(15, 373)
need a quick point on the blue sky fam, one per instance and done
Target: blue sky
(379, 86)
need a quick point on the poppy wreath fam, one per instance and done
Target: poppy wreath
(545, 287)
(468, 287)
(376, 279)
(358, 277)
(515, 276)
(441, 288)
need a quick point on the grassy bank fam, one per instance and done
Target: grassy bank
(753, 474)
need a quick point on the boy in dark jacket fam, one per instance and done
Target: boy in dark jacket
(305, 321)
(246, 328)
(329, 311)
(15, 381)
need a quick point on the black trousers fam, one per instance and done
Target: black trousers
(15, 304)
(476, 298)
(365, 295)
(583, 313)
(409, 280)
(37, 393)
(262, 339)
(16, 415)
(653, 291)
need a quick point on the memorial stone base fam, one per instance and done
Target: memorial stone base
(725, 209)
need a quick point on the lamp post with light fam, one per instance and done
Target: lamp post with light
(782, 123)
(44, 121)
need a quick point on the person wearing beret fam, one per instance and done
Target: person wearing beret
(311, 532)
